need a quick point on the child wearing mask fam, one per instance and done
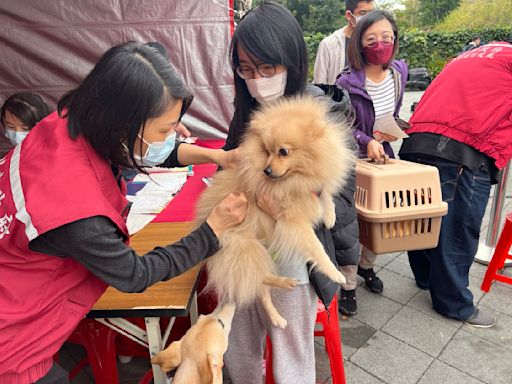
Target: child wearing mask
(20, 112)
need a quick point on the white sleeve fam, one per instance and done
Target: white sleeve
(322, 61)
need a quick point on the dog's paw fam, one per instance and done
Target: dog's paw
(340, 278)
(288, 283)
(291, 283)
(280, 282)
(278, 321)
(329, 219)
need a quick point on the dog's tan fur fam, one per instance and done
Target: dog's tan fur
(199, 353)
(319, 160)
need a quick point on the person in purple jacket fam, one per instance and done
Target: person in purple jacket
(376, 84)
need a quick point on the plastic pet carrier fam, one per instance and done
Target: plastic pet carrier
(399, 205)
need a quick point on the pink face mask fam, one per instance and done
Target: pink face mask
(378, 54)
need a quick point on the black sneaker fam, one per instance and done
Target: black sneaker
(373, 283)
(347, 302)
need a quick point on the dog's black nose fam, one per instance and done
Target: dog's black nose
(268, 171)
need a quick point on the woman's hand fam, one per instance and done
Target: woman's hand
(181, 130)
(270, 205)
(228, 159)
(375, 150)
(228, 213)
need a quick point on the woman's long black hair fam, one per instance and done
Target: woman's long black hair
(131, 83)
(271, 34)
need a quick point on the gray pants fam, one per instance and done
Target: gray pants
(293, 348)
(350, 271)
(367, 258)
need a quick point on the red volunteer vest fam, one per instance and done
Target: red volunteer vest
(471, 101)
(47, 181)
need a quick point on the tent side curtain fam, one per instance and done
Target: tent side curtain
(49, 46)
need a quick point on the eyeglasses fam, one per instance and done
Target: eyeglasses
(386, 40)
(265, 70)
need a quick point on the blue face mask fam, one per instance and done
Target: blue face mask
(16, 137)
(157, 151)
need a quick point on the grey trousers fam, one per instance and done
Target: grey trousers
(350, 273)
(293, 348)
(367, 258)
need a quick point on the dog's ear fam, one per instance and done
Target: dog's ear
(215, 362)
(315, 130)
(169, 358)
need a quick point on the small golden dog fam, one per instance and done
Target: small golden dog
(296, 154)
(199, 353)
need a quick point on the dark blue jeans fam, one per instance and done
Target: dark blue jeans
(445, 269)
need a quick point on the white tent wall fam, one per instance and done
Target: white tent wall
(49, 46)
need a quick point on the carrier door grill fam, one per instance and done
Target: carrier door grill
(394, 200)
(407, 198)
(405, 228)
(361, 196)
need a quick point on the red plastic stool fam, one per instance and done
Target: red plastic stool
(332, 336)
(99, 342)
(499, 257)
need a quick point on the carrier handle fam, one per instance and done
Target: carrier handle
(386, 160)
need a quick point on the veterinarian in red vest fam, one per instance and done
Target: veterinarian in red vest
(62, 206)
(464, 128)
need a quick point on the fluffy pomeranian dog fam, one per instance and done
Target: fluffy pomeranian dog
(295, 153)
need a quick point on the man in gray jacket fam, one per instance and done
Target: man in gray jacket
(331, 54)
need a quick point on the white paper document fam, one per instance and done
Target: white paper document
(161, 183)
(137, 221)
(386, 124)
(151, 203)
(159, 190)
(164, 179)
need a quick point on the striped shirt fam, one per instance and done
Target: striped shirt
(382, 95)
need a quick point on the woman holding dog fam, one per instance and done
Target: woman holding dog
(63, 208)
(376, 84)
(269, 61)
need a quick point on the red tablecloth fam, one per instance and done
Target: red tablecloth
(182, 206)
